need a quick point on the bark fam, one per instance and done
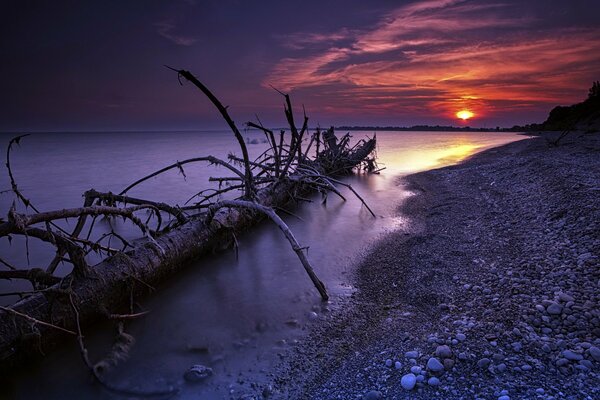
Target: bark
(114, 280)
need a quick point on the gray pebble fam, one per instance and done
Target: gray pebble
(433, 381)
(433, 364)
(443, 351)
(595, 353)
(572, 356)
(411, 354)
(408, 381)
(415, 369)
(554, 309)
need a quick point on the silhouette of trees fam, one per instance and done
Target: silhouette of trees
(594, 90)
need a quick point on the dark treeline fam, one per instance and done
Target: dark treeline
(582, 116)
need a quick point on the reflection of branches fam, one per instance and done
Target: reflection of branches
(119, 352)
(269, 212)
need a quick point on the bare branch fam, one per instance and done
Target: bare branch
(36, 321)
(269, 212)
(178, 164)
(223, 110)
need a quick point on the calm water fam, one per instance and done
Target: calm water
(244, 310)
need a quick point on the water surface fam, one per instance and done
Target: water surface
(234, 314)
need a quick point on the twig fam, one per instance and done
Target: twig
(269, 212)
(223, 110)
(178, 164)
(37, 321)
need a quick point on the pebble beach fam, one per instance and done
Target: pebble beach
(491, 292)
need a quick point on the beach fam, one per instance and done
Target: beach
(492, 291)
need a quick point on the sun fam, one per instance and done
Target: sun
(465, 115)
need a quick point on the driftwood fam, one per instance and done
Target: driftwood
(60, 307)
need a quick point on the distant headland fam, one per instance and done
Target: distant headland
(583, 116)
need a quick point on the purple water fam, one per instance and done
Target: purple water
(241, 309)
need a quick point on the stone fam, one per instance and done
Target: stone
(595, 353)
(415, 369)
(554, 309)
(433, 364)
(408, 381)
(197, 373)
(572, 356)
(461, 337)
(388, 363)
(448, 364)
(433, 381)
(443, 351)
(565, 297)
(268, 391)
(411, 354)
(484, 363)
(561, 362)
(397, 365)
(504, 397)
(373, 395)
(540, 391)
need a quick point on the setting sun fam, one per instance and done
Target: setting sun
(464, 115)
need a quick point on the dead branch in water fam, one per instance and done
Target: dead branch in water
(282, 173)
(283, 227)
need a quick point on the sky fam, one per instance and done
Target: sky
(99, 65)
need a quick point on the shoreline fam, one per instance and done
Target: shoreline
(497, 280)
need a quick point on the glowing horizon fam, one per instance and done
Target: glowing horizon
(413, 62)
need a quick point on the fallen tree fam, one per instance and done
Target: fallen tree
(59, 307)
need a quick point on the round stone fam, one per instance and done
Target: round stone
(433, 381)
(408, 381)
(595, 353)
(554, 309)
(411, 354)
(443, 351)
(433, 364)
(397, 365)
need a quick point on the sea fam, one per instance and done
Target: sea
(238, 311)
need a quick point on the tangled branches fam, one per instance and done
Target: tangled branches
(292, 165)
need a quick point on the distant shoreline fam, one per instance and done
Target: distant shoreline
(427, 128)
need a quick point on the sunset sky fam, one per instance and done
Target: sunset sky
(98, 65)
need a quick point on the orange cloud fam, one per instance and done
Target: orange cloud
(441, 56)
